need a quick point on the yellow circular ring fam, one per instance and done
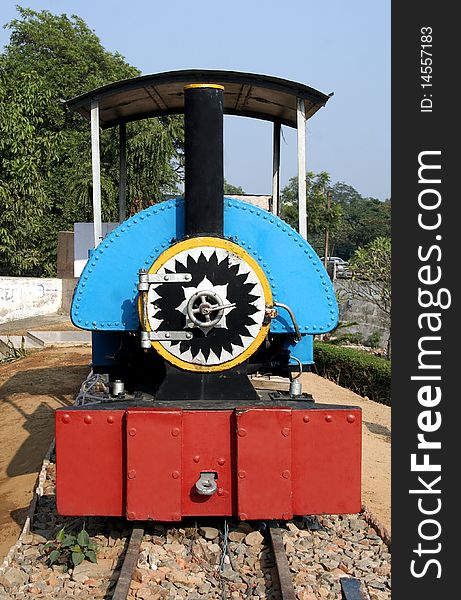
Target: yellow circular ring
(243, 254)
(193, 86)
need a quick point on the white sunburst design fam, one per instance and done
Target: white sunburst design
(247, 337)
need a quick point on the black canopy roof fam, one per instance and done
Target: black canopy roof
(245, 94)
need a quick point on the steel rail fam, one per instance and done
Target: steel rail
(129, 563)
(287, 591)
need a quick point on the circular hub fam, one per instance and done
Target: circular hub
(222, 304)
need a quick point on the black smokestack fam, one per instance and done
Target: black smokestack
(204, 172)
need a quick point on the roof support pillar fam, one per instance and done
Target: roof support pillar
(96, 168)
(276, 170)
(302, 200)
(122, 176)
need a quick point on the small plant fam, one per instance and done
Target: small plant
(373, 340)
(12, 353)
(70, 550)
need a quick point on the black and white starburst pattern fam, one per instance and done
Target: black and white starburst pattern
(233, 280)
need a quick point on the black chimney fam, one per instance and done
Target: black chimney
(204, 172)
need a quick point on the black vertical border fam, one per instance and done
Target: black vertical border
(412, 133)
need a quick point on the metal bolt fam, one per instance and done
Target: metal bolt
(328, 418)
(175, 431)
(243, 516)
(88, 419)
(220, 491)
(110, 419)
(221, 461)
(166, 278)
(132, 431)
(286, 516)
(242, 474)
(175, 474)
(286, 474)
(242, 432)
(286, 431)
(65, 418)
(306, 419)
(131, 474)
(167, 335)
(350, 418)
(131, 516)
(196, 458)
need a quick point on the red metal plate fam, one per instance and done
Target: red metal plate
(153, 471)
(327, 447)
(208, 445)
(264, 476)
(89, 462)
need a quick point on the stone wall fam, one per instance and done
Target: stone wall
(369, 318)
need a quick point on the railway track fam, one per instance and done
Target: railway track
(352, 588)
(323, 558)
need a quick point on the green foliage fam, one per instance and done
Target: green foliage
(371, 274)
(232, 189)
(70, 550)
(320, 216)
(12, 353)
(45, 152)
(373, 340)
(364, 219)
(352, 220)
(358, 370)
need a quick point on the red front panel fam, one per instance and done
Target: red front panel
(89, 462)
(264, 463)
(327, 461)
(270, 463)
(208, 445)
(153, 464)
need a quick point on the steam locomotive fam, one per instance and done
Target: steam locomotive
(185, 300)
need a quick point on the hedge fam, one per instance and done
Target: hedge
(360, 371)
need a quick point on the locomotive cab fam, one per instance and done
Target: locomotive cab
(185, 300)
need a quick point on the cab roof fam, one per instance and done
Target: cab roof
(156, 95)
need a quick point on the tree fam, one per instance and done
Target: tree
(371, 275)
(231, 190)
(321, 215)
(45, 152)
(364, 219)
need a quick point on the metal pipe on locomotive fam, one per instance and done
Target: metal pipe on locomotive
(185, 300)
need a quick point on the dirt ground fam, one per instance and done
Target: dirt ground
(31, 388)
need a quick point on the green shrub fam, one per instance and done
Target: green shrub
(360, 371)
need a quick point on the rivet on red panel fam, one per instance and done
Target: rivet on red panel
(286, 474)
(221, 461)
(242, 474)
(131, 474)
(175, 474)
(196, 458)
(242, 432)
(175, 431)
(131, 516)
(328, 418)
(88, 419)
(286, 516)
(132, 431)
(286, 431)
(350, 418)
(175, 517)
(65, 418)
(110, 419)
(306, 419)
(243, 516)
(220, 491)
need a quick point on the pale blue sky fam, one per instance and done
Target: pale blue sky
(334, 46)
